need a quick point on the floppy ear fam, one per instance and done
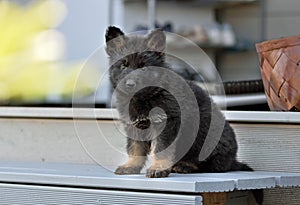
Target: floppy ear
(115, 39)
(157, 40)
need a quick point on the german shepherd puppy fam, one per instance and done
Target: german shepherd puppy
(165, 115)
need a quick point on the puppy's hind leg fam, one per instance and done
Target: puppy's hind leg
(186, 166)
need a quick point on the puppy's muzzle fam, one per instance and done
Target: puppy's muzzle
(130, 84)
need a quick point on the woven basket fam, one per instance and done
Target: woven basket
(280, 70)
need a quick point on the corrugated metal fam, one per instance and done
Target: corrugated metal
(33, 195)
(272, 147)
(282, 196)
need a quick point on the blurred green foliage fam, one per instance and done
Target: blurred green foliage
(24, 75)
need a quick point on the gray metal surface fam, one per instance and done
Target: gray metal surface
(91, 113)
(248, 180)
(263, 117)
(95, 176)
(57, 113)
(240, 100)
(15, 194)
(262, 144)
(283, 179)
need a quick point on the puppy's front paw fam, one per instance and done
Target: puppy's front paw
(154, 173)
(122, 170)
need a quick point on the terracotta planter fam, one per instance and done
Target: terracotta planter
(280, 70)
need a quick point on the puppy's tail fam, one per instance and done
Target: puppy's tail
(257, 193)
(239, 166)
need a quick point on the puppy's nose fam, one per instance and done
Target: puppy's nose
(130, 84)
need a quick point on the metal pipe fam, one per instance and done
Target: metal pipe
(151, 14)
(263, 23)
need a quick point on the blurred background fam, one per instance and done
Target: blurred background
(44, 44)
(43, 47)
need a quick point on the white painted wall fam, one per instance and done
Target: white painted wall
(84, 30)
(84, 26)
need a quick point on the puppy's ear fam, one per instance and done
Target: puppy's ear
(115, 39)
(156, 40)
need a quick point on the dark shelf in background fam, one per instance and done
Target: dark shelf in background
(239, 47)
(209, 3)
(234, 48)
(217, 3)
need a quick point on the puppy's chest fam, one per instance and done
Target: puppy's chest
(153, 118)
(144, 120)
(142, 107)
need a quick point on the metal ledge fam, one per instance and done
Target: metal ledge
(263, 117)
(110, 114)
(56, 113)
(95, 176)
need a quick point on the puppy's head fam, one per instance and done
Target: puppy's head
(132, 58)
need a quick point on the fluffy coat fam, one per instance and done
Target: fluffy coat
(159, 117)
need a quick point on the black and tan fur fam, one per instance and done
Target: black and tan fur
(137, 53)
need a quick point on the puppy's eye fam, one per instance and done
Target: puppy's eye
(124, 64)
